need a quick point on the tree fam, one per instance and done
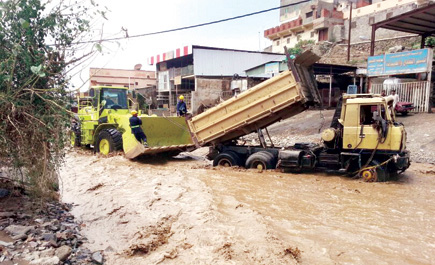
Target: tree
(39, 45)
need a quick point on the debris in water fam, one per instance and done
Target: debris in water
(96, 187)
(294, 252)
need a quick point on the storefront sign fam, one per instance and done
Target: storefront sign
(417, 61)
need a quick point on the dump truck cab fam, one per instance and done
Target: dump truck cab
(369, 123)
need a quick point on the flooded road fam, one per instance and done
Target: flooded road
(336, 220)
(182, 211)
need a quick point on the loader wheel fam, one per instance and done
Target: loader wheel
(75, 139)
(109, 140)
(377, 174)
(227, 159)
(261, 160)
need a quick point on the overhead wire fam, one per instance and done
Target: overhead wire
(192, 26)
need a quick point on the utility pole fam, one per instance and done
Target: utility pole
(350, 26)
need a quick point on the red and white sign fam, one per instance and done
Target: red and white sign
(177, 53)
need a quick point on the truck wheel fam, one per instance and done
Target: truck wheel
(377, 174)
(109, 140)
(261, 160)
(227, 159)
(75, 139)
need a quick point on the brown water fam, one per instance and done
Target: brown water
(338, 220)
(190, 213)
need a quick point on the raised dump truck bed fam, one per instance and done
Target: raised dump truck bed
(280, 97)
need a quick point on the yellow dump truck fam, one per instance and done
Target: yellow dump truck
(364, 137)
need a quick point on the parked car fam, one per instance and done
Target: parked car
(404, 107)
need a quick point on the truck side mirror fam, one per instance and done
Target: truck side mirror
(92, 92)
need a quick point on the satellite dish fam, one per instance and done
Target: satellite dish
(137, 66)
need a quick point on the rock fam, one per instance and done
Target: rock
(18, 229)
(6, 214)
(39, 220)
(20, 237)
(5, 244)
(97, 257)
(45, 261)
(47, 253)
(4, 193)
(33, 244)
(48, 237)
(63, 252)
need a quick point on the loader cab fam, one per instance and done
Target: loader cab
(107, 100)
(369, 124)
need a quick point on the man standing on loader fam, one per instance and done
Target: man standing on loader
(181, 107)
(135, 124)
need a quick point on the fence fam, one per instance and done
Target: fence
(415, 92)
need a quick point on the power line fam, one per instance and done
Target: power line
(193, 26)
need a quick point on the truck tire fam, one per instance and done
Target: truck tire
(378, 174)
(261, 160)
(227, 159)
(109, 140)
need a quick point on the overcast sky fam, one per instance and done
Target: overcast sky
(139, 16)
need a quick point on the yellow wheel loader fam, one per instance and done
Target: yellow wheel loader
(103, 123)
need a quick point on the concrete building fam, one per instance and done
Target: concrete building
(142, 82)
(323, 20)
(309, 21)
(367, 14)
(133, 79)
(203, 75)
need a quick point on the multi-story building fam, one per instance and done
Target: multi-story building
(328, 20)
(314, 21)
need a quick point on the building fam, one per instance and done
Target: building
(133, 79)
(323, 20)
(203, 75)
(315, 20)
(142, 82)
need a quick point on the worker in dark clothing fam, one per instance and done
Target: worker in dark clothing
(135, 124)
(181, 107)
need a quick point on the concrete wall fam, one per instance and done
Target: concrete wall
(361, 24)
(208, 91)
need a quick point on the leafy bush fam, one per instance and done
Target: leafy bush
(36, 52)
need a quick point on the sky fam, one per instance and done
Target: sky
(145, 16)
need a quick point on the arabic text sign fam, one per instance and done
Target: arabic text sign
(400, 63)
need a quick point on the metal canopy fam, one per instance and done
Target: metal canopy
(328, 69)
(419, 21)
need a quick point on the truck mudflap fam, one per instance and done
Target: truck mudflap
(164, 134)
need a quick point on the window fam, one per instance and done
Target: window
(288, 40)
(115, 98)
(312, 34)
(276, 42)
(309, 14)
(371, 20)
(353, 25)
(366, 114)
(323, 34)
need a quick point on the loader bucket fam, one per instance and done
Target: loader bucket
(164, 134)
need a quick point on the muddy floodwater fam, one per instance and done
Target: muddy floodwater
(183, 211)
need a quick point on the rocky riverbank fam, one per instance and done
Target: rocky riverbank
(40, 233)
